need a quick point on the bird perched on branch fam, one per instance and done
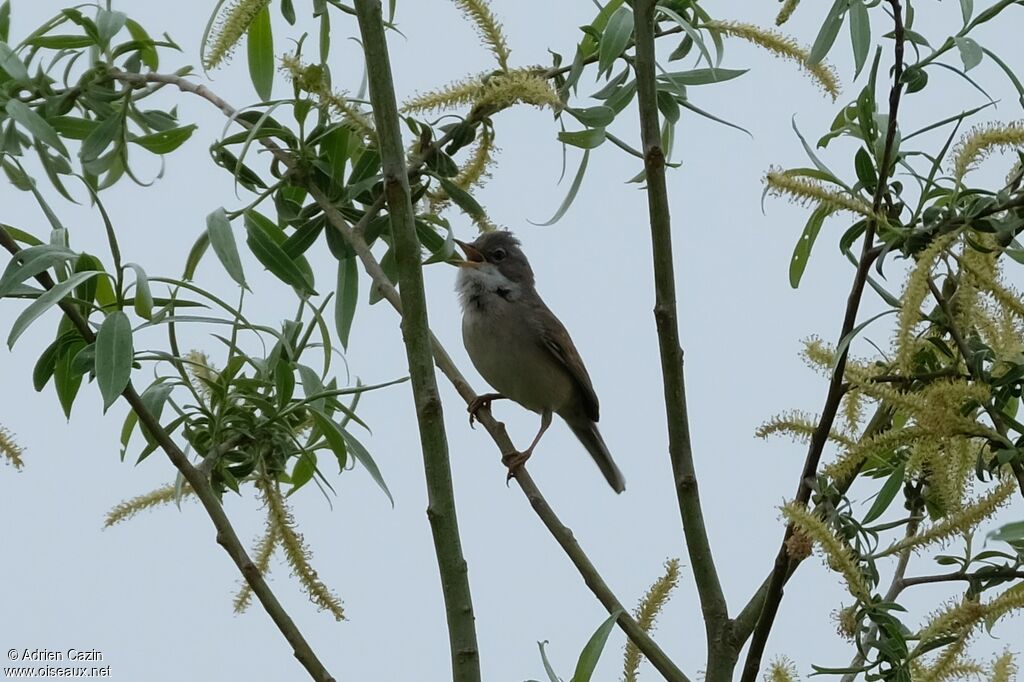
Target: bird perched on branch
(522, 350)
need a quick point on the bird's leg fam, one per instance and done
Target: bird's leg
(482, 401)
(515, 460)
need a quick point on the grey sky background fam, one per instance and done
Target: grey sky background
(154, 595)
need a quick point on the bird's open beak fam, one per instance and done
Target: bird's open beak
(473, 256)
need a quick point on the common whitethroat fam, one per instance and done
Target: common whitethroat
(522, 350)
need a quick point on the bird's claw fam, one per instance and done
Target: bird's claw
(514, 461)
(478, 403)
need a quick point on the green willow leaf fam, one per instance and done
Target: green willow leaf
(571, 196)
(828, 33)
(592, 651)
(584, 139)
(114, 356)
(165, 141)
(860, 34)
(222, 239)
(143, 300)
(13, 66)
(346, 298)
(342, 443)
(887, 494)
(615, 38)
(35, 124)
(802, 252)
(260, 47)
(269, 252)
(43, 303)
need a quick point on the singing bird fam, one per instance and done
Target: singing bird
(522, 350)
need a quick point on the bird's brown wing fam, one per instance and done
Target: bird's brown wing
(557, 340)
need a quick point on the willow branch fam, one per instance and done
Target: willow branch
(226, 535)
(709, 588)
(416, 335)
(353, 235)
(784, 564)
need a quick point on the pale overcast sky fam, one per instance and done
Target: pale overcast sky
(155, 594)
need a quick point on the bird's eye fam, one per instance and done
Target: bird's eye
(498, 255)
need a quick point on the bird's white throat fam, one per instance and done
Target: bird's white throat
(484, 285)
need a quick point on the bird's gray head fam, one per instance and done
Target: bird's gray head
(494, 266)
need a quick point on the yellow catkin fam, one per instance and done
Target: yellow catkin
(808, 191)
(847, 464)
(786, 11)
(155, 498)
(1003, 668)
(838, 554)
(800, 427)
(9, 450)
(312, 79)
(781, 670)
(296, 552)
(961, 521)
(914, 293)
(489, 94)
(646, 614)
(785, 47)
(983, 140)
(269, 541)
(228, 29)
(487, 25)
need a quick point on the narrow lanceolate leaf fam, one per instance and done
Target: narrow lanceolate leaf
(615, 38)
(10, 63)
(860, 34)
(827, 35)
(888, 493)
(35, 124)
(571, 196)
(30, 262)
(222, 239)
(346, 297)
(143, 294)
(802, 252)
(272, 256)
(43, 303)
(592, 651)
(584, 139)
(342, 441)
(260, 44)
(114, 355)
(165, 141)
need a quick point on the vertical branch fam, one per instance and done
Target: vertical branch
(416, 334)
(716, 618)
(771, 596)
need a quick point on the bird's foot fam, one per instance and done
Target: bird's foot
(514, 461)
(481, 402)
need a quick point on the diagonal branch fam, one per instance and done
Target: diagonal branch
(784, 564)
(226, 536)
(353, 235)
(721, 654)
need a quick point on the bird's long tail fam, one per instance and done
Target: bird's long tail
(588, 434)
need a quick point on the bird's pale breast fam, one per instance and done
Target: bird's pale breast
(507, 354)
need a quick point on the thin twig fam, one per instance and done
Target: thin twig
(784, 564)
(226, 536)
